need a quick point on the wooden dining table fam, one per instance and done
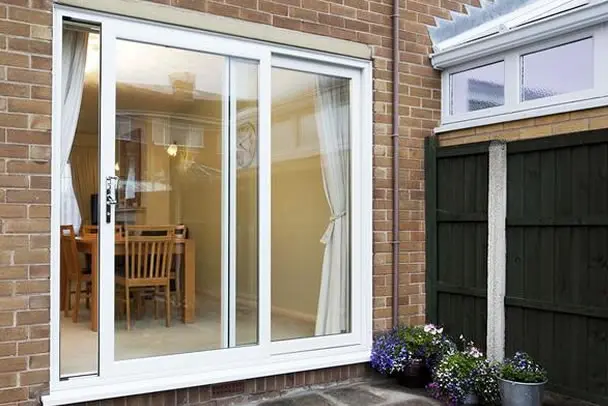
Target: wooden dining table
(184, 247)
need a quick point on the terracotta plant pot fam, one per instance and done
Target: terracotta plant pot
(415, 375)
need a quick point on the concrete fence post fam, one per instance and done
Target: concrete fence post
(497, 250)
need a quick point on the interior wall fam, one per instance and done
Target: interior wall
(299, 217)
(299, 208)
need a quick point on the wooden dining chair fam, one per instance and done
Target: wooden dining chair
(148, 261)
(74, 273)
(181, 232)
(88, 229)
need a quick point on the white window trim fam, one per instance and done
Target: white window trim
(122, 378)
(510, 46)
(514, 108)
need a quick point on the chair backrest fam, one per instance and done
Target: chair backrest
(150, 231)
(181, 231)
(89, 229)
(69, 251)
(148, 256)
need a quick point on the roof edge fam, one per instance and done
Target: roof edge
(579, 18)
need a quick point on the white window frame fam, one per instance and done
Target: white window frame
(516, 109)
(131, 377)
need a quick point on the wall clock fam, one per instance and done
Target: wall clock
(246, 144)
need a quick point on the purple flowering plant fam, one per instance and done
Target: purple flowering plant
(393, 351)
(389, 353)
(522, 368)
(427, 343)
(462, 373)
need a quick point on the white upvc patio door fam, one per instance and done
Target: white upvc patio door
(185, 139)
(244, 68)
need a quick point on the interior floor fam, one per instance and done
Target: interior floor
(150, 337)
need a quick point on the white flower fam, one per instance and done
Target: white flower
(440, 330)
(428, 328)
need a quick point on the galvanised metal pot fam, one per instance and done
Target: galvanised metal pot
(470, 399)
(521, 394)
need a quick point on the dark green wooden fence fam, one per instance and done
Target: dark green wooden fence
(557, 259)
(457, 232)
(557, 252)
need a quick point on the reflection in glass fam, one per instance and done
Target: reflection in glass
(563, 69)
(477, 89)
(79, 156)
(310, 205)
(170, 127)
(245, 77)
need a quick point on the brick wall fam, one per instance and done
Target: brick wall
(242, 391)
(25, 79)
(592, 119)
(25, 107)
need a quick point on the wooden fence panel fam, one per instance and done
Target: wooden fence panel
(457, 201)
(557, 259)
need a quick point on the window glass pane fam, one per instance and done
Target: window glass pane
(172, 155)
(478, 89)
(245, 76)
(80, 162)
(563, 69)
(310, 205)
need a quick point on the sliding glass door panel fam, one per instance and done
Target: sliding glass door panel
(79, 339)
(311, 274)
(170, 128)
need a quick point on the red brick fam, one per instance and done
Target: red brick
(32, 46)
(13, 395)
(33, 377)
(273, 8)
(14, 28)
(28, 196)
(13, 89)
(29, 106)
(13, 364)
(33, 347)
(39, 361)
(30, 16)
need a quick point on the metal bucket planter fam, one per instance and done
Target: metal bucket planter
(470, 399)
(521, 394)
(415, 375)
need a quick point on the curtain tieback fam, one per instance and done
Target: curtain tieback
(330, 227)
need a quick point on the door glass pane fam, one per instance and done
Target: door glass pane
(563, 69)
(478, 88)
(79, 181)
(171, 126)
(310, 205)
(244, 76)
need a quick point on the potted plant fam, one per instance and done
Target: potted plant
(410, 353)
(426, 346)
(521, 381)
(389, 354)
(465, 378)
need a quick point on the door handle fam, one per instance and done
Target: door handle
(111, 188)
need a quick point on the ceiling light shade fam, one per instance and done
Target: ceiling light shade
(172, 150)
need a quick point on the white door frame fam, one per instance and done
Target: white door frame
(119, 378)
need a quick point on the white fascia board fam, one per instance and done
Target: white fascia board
(574, 20)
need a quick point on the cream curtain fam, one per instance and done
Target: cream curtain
(85, 178)
(332, 117)
(73, 63)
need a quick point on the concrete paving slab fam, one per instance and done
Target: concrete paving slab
(355, 396)
(310, 399)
